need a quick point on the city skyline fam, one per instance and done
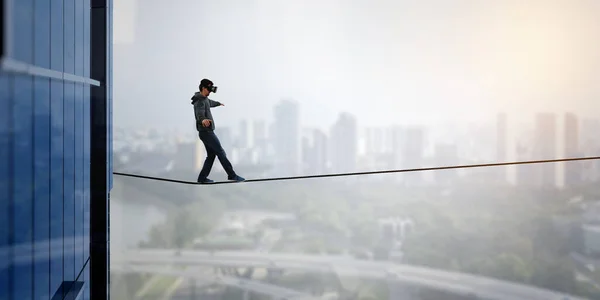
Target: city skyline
(292, 148)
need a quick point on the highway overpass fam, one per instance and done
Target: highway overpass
(458, 283)
(244, 284)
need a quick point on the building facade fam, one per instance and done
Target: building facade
(344, 143)
(286, 137)
(55, 148)
(545, 147)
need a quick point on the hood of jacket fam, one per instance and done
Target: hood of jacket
(197, 97)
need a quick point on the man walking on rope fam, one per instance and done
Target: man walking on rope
(206, 126)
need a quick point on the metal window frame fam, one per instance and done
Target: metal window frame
(10, 65)
(69, 290)
(2, 26)
(5, 28)
(100, 104)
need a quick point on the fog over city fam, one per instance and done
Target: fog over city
(320, 87)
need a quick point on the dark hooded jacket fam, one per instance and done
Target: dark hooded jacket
(202, 107)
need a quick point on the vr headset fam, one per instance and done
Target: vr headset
(212, 89)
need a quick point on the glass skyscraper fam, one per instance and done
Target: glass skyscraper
(55, 149)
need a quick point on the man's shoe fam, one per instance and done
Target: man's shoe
(237, 178)
(205, 180)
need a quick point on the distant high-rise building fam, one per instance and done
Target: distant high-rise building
(573, 171)
(524, 173)
(377, 140)
(226, 138)
(414, 147)
(198, 157)
(318, 159)
(314, 151)
(571, 135)
(344, 143)
(186, 158)
(260, 141)
(306, 152)
(397, 137)
(501, 145)
(407, 147)
(445, 155)
(369, 141)
(388, 140)
(286, 137)
(260, 133)
(595, 174)
(590, 139)
(545, 147)
(271, 134)
(243, 136)
(501, 137)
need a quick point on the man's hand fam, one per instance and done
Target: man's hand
(222, 104)
(206, 123)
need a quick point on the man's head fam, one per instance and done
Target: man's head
(206, 87)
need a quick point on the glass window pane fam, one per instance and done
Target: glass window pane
(79, 38)
(57, 34)
(56, 183)
(87, 148)
(86, 38)
(78, 177)
(69, 35)
(41, 212)
(22, 187)
(5, 180)
(42, 33)
(22, 18)
(69, 183)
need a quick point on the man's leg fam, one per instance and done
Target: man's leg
(209, 161)
(220, 153)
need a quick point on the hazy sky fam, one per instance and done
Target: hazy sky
(384, 61)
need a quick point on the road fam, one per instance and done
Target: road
(437, 279)
(205, 278)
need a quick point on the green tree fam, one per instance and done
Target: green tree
(185, 228)
(159, 237)
(588, 290)
(364, 234)
(179, 230)
(510, 267)
(554, 275)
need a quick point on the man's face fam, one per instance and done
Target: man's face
(206, 91)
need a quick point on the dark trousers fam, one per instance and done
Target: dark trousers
(213, 149)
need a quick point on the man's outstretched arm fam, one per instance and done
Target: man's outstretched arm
(215, 103)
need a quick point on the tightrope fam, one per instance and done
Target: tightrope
(367, 172)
